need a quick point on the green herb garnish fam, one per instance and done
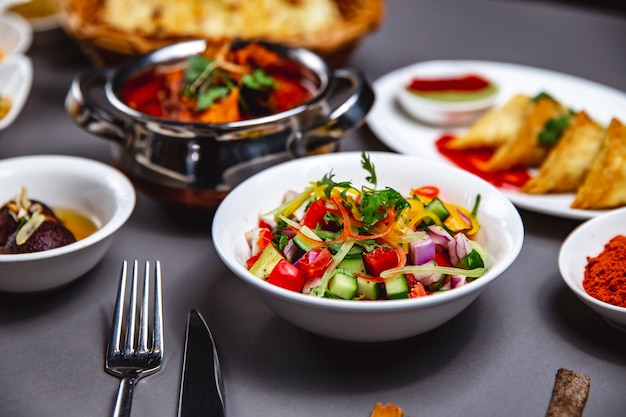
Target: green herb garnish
(554, 128)
(211, 80)
(373, 204)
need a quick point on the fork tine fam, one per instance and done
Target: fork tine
(115, 343)
(132, 311)
(157, 342)
(143, 313)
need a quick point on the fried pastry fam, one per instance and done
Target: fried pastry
(496, 127)
(569, 161)
(525, 149)
(605, 185)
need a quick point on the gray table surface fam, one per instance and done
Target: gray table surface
(498, 358)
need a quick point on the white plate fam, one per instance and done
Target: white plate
(405, 135)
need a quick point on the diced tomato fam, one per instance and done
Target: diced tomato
(417, 290)
(265, 237)
(314, 262)
(251, 260)
(314, 215)
(442, 258)
(287, 276)
(265, 225)
(380, 259)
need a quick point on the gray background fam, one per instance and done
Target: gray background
(498, 358)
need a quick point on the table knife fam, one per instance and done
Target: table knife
(201, 392)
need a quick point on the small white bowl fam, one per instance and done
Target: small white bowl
(501, 235)
(16, 79)
(588, 240)
(442, 113)
(92, 188)
(16, 35)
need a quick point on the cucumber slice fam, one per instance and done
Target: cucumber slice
(437, 207)
(306, 239)
(397, 287)
(266, 262)
(343, 285)
(354, 265)
(368, 289)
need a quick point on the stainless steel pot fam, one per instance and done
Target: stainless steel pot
(196, 164)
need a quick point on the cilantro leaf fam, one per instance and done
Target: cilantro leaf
(330, 184)
(553, 129)
(196, 65)
(367, 164)
(206, 99)
(258, 80)
(280, 241)
(375, 204)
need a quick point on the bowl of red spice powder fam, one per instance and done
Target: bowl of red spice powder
(592, 261)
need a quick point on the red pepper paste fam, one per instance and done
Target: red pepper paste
(470, 82)
(605, 275)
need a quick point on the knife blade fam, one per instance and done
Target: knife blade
(201, 392)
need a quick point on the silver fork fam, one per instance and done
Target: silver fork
(138, 357)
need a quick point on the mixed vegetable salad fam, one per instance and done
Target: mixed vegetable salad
(335, 240)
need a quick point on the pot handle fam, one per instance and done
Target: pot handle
(81, 105)
(348, 116)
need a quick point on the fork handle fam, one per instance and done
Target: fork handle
(124, 397)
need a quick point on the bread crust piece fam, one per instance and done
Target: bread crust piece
(605, 185)
(570, 160)
(525, 149)
(389, 410)
(569, 394)
(496, 127)
(220, 18)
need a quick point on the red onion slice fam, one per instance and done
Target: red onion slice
(421, 251)
(458, 248)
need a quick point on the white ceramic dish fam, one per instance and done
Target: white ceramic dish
(16, 79)
(588, 240)
(90, 187)
(16, 34)
(368, 321)
(405, 135)
(442, 113)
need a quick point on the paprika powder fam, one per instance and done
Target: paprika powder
(605, 274)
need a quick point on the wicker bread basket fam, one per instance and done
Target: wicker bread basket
(106, 45)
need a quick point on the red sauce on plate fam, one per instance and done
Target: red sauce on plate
(474, 161)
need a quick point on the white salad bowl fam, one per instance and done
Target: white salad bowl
(94, 189)
(588, 240)
(501, 235)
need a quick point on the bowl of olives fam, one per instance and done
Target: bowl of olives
(58, 215)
